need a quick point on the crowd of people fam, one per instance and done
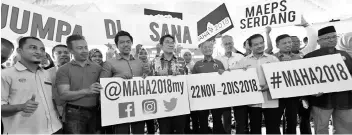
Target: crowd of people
(61, 95)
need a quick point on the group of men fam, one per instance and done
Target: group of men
(65, 99)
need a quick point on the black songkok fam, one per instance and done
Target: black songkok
(326, 30)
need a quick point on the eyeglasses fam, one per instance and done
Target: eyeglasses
(329, 38)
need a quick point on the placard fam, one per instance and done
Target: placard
(235, 88)
(217, 21)
(138, 99)
(310, 76)
(274, 13)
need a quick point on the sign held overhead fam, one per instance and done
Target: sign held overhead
(217, 21)
(268, 13)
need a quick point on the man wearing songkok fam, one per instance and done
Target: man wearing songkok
(337, 104)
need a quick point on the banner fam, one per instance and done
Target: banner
(152, 28)
(147, 30)
(274, 13)
(235, 88)
(22, 19)
(137, 99)
(217, 21)
(103, 28)
(324, 74)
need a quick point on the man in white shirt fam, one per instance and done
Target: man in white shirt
(26, 97)
(229, 60)
(270, 107)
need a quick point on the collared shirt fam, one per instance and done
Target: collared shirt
(56, 97)
(287, 56)
(120, 65)
(161, 66)
(205, 66)
(230, 62)
(252, 62)
(336, 100)
(18, 85)
(79, 78)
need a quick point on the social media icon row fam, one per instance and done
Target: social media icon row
(149, 106)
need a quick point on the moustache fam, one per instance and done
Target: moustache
(36, 62)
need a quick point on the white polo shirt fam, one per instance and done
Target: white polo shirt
(252, 62)
(230, 62)
(59, 103)
(18, 84)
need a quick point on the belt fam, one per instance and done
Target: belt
(81, 107)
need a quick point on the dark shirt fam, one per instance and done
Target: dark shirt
(204, 66)
(118, 66)
(79, 78)
(336, 100)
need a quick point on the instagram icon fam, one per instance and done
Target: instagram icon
(149, 106)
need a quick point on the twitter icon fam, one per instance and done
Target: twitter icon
(170, 105)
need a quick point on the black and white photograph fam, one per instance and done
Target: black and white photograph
(176, 67)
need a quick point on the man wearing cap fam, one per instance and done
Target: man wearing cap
(337, 104)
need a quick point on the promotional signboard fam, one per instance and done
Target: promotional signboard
(311, 76)
(137, 99)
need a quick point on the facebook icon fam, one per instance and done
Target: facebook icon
(126, 109)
